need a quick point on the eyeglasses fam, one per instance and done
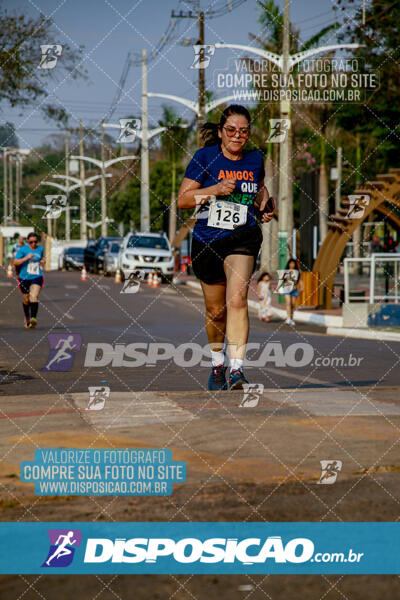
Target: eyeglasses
(34, 241)
(231, 131)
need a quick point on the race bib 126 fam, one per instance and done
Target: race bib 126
(227, 215)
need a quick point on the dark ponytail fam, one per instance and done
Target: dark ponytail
(209, 131)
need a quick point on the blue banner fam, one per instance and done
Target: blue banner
(200, 548)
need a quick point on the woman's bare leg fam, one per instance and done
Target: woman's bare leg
(214, 298)
(238, 270)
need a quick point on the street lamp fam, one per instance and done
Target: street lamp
(93, 225)
(103, 165)
(194, 106)
(70, 188)
(67, 209)
(145, 135)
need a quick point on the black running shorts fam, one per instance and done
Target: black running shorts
(25, 284)
(208, 257)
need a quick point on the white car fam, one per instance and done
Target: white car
(146, 252)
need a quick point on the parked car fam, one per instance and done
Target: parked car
(146, 252)
(110, 262)
(94, 252)
(72, 258)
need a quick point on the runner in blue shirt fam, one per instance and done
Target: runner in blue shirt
(29, 259)
(225, 183)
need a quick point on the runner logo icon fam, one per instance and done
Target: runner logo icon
(251, 395)
(132, 284)
(129, 128)
(50, 55)
(62, 348)
(97, 397)
(63, 543)
(55, 205)
(329, 471)
(278, 130)
(358, 203)
(202, 55)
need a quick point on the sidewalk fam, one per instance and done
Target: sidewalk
(331, 320)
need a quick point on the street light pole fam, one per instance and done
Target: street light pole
(83, 212)
(67, 212)
(5, 186)
(148, 134)
(11, 191)
(102, 165)
(284, 149)
(202, 87)
(66, 189)
(104, 227)
(17, 184)
(144, 154)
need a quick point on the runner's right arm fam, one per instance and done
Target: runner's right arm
(20, 261)
(190, 188)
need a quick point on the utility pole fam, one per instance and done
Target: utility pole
(202, 86)
(284, 148)
(17, 184)
(5, 186)
(144, 154)
(83, 218)
(201, 82)
(104, 225)
(11, 191)
(67, 212)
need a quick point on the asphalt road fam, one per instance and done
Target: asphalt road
(304, 357)
(256, 464)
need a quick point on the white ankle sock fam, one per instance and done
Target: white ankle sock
(217, 358)
(236, 363)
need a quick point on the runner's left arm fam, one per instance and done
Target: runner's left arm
(42, 260)
(260, 203)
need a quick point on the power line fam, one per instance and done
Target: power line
(134, 58)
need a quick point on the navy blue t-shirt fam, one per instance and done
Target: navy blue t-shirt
(208, 166)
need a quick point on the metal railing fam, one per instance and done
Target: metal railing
(382, 275)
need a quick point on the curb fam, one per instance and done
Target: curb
(365, 334)
(330, 321)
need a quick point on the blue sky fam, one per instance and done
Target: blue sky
(109, 29)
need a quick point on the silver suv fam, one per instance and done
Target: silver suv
(146, 252)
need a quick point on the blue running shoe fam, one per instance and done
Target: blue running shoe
(217, 379)
(237, 379)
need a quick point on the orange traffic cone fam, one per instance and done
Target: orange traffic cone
(10, 270)
(156, 280)
(150, 278)
(83, 274)
(118, 276)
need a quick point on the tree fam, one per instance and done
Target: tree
(125, 203)
(21, 82)
(8, 136)
(378, 116)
